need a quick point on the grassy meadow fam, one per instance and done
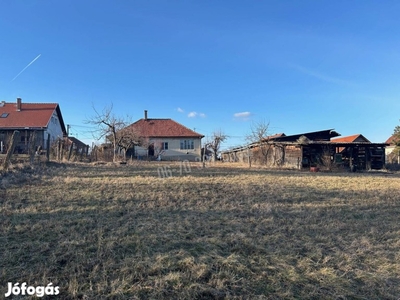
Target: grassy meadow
(173, 231)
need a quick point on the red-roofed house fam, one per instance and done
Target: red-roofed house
(392, 151)
(166, 139)
(44, 118)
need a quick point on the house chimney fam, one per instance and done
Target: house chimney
(18, 104)
(145, 115)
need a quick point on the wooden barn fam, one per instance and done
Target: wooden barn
(311, 149)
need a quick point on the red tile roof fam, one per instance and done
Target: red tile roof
(157, 128)
(391, 140)
(350, 139)
(30, 115)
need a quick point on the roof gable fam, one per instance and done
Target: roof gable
(392, 140)
(157, 128)
(355, 138)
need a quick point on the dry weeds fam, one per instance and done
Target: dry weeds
(121, 232)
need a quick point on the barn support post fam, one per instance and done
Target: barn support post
(14, 140)
(351, 158)
(301, 157)
(367, 158)
(383, 157)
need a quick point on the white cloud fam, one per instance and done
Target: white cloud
(180, 110)
(244, 116)
(194, 114)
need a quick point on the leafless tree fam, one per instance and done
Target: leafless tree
(396, 134)
(258, 136)
(112, 128)
(158, 148)
(127, 138)
(215, 141)
(396, 142)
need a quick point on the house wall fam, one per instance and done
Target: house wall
(23, 143)
(293, 156)
(278, 156)
(174, 152)
(54, 129)
(5, 137)
(391, 155)
(25, 140)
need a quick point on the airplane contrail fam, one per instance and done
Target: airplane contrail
(27, 66)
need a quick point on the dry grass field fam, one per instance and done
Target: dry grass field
(223, 232)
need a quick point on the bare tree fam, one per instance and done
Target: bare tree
(214, 143)
(112, 128)
(396, 134)
(258, 136)
(158, 148)
(396, 142)
(127, 138)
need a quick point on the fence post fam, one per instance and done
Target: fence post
(248, 155)
(48, 147)
(59, 154)
(70, 151)
(14, 141)
(32, 147)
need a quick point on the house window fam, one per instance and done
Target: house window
(187, 144)
(164, 146)
(4, 115)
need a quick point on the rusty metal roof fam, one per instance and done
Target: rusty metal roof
(350, 139)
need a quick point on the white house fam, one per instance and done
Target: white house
(392, 154)
(165, 139)
(44, 118)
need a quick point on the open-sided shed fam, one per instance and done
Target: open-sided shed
(311, 149)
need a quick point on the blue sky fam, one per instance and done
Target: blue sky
(300, 65)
